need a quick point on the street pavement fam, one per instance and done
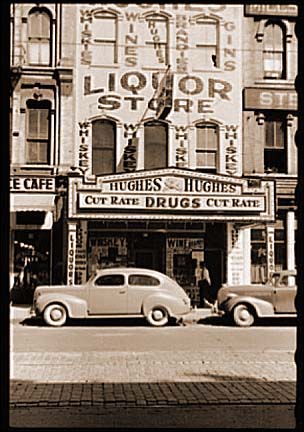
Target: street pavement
(213, 389)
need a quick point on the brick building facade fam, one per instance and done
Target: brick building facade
(155, 135)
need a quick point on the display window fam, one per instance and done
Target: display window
(31, 256)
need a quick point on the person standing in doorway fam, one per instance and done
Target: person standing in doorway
(205, 286)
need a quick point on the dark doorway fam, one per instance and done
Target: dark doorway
(149, 251)
(214, 259)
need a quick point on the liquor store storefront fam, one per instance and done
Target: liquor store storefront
(167, 220)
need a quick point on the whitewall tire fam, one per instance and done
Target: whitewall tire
(55, 315)
(243, 316)
(158, 316)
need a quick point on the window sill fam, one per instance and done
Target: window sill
(32, 169)
(272, 174)
(266, 82)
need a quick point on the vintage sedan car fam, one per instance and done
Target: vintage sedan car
(244, 303)
(114, 292)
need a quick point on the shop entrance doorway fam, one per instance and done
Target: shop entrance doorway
(214, 259)
(145, 259)
(149, 251)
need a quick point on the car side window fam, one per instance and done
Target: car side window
(275, 280)
(143, 280)
(110, 280)
(285, 279)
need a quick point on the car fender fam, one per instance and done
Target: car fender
(160, 299)
(261, 307)
(76, 307)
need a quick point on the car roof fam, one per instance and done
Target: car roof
(130, 270)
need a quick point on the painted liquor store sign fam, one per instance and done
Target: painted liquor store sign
(170, 192)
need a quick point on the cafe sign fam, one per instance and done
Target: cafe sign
(32, 184)
(170, 194)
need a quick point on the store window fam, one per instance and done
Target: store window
(275, 151)
(39, 37)
(156, 51)
(103, 147)
(206, 37)
(206, 147)
(38, 122)
(274, 50)
(156, 145)
(104, 31)
(31, 255)
(258, 255)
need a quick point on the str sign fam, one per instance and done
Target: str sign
(172, 192)
(255, 98)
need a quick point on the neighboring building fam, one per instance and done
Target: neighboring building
(133, 143)
(269, 124)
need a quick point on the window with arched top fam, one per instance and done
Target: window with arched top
(206, 41)
(274, 50)
(103, 147)
(156, 50)
(104, 38)
(39, 33)
(38, 132)
(207, 137)
(156, 145)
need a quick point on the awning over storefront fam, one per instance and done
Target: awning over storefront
(171, 194)
(33, 204)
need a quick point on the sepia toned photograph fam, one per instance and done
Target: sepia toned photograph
(154, 190)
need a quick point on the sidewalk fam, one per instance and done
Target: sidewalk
(151, 390)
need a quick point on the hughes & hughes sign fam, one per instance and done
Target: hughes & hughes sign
(170, 192)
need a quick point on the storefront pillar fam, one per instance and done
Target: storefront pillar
(290, 240)
(71, 258)
(247, 255)
(270, 251)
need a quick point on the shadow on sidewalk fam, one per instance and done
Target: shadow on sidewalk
(95, 322)
(223, 403)
(261, 322)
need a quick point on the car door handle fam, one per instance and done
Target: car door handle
(122, 292)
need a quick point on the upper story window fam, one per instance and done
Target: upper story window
(156, 52)
(206, 37)
(274, 51)
(103, 147)
(207, 136)
(38, 129)
(275, 150)
(39, 37)
(156, 145)
(104, 31)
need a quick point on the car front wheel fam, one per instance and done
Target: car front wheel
(55, 315)
(243, 316)
(158, 316)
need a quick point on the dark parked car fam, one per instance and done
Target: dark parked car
(244, 303)
(115, 292)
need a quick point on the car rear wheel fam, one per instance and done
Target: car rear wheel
(55, 315)
(243, 316)
(158, 316)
